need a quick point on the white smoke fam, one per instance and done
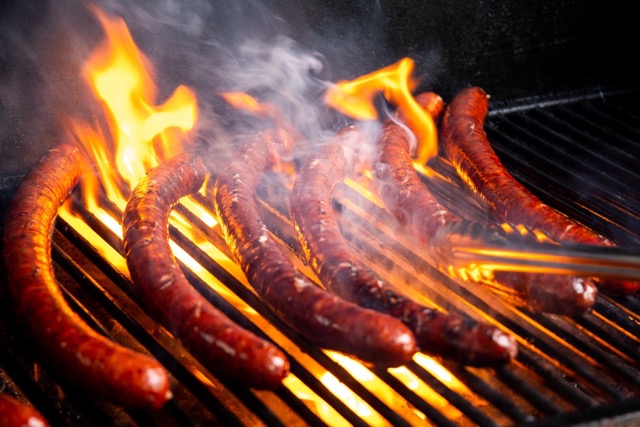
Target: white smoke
(279, 54)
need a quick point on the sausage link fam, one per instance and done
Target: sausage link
(448, 335)
(470, 151)
(68, 345)
(414, 205)
(322, 317)
(223, 346)
(14, 413)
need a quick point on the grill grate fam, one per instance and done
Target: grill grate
(579, 157)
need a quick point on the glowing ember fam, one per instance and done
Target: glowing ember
(355, 98)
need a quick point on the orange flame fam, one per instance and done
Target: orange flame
(243, 101)
(283, 133)
(121, 77)
(355, 98)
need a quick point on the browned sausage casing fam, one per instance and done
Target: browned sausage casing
(467, 146)
(65, 342)
(409, 199)
(14, 413)
(221, 345)
(324, 318)
(448, 335)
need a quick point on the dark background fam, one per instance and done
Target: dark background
(515, 50)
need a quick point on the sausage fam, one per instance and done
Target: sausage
(67, 344)
(315, 313)
(416, 207)
(223, 346)
(14, 413)
(400, 187)
(467, 146)
(448, 335)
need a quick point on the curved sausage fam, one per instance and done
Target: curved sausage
(322, 317)
(415, 206)
(448, 335)
(14, 413)
(470, 151)
(66, 343)
(223, 347)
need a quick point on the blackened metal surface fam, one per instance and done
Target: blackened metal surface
(581, 157)
(512, 49)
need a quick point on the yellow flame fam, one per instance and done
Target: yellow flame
(135, 135)
(428, 394)
(355, 98)
(121, 77)
(99, 244)
(317, 404)
(204, 215)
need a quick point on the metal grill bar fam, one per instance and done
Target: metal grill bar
(131, 317)
(477, 415)
(568, 370)
(593, 179)
(246, 397)
(539, 402)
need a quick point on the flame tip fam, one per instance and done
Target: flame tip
(355, 98)
(121, 77)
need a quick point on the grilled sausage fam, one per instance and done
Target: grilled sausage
(324, 318)
(415, 206)
(448, 335)
(222, 346)
(467, 146)
(14, 413)
(67, 344)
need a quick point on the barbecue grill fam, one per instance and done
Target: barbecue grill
(569, 131)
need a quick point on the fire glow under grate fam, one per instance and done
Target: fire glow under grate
(567, 370)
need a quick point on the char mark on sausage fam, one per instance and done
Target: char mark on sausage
(448, 335)
(469, 150)
(72, 349)
(322, 317)
(221, 345)
(413, 204)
